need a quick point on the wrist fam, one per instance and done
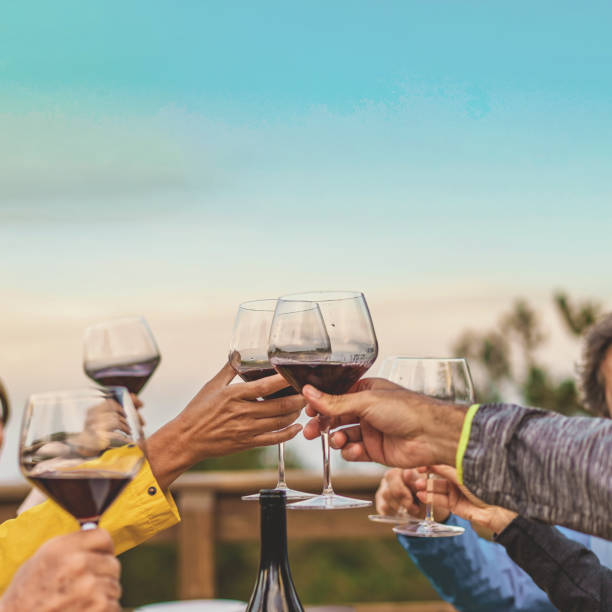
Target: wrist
(443, 429)
(500, 519)
(168, 453)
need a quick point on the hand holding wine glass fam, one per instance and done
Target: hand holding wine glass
(396, 500)
(248, 355)
(392, 426)
(73, 572)
(450, 496)
(325, 339)
(82, 465)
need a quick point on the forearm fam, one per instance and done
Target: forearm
(542, 465)
(568, 572)
(168, 453)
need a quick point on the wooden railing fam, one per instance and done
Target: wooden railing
(212, 512)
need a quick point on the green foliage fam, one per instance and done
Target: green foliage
(577, 318)
(252, 459)
(519, 332)
(523, 324)
(148, 575)
(540, 390)
(323, 572)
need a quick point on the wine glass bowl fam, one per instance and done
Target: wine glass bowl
(325, 339)
(81, 448)
(120, 352)
(447, 379)
(248, 356)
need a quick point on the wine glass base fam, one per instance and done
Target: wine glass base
(290, 495)
(428, 530)
(329, 502)
(395, 519)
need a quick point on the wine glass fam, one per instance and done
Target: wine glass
(325, 339)
(248, 355)
(81, 448)
(445, 379)
(401, 516)
(120, 352)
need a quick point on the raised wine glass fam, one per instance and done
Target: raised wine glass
(401, 516)
(445, 379)
(325, 339)
(120, 352)
(81, 448)
(248, 355)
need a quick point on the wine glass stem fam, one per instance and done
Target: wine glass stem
(429, 514)
(87, 525)
(327, 486)
(281, 484)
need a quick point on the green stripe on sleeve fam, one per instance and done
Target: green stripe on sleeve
(464, 439)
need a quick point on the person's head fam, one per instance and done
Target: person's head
(596, 368)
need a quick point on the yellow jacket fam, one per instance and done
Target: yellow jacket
(139, 512)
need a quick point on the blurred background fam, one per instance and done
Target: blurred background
(449, 159)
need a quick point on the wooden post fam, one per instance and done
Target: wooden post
(197, 544)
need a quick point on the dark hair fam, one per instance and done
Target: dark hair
(597, 341)
(4, 405)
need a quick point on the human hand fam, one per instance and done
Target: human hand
(450, 496)
(396, 493)
(68, 573)
(392, 425)
(223, 419)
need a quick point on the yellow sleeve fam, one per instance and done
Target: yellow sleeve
(464, 439)
(141, 511)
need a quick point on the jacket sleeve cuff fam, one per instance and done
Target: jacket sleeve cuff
(141, 511)
(464, 439)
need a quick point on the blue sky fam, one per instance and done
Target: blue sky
(346, 142)
(175, 158)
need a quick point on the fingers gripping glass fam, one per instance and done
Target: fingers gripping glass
(445, 379)
(248, 355)
(325, 339)
(120, 352)
(81, 448)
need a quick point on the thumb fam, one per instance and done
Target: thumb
(95, 540)
(223, 377)
(335, 405)
(446, 471)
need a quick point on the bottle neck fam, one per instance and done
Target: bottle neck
(273, 535)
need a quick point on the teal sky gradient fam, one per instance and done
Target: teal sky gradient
(343, 142)
(176, 158)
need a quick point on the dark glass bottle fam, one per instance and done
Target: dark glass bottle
(274, 590)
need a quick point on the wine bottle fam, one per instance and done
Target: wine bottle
(274, 590)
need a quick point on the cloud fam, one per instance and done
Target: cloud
(50, 156)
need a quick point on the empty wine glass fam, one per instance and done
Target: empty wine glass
(325, 339)
(401, 516)
(81, 448)
(120, 352)
(248, 355)
(444, 379)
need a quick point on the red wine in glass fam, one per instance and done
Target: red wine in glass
(326, 339)
(248, 355)
(85, 494)
(255, 373)
(132, 376)
(334, 377)
(81, 447)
